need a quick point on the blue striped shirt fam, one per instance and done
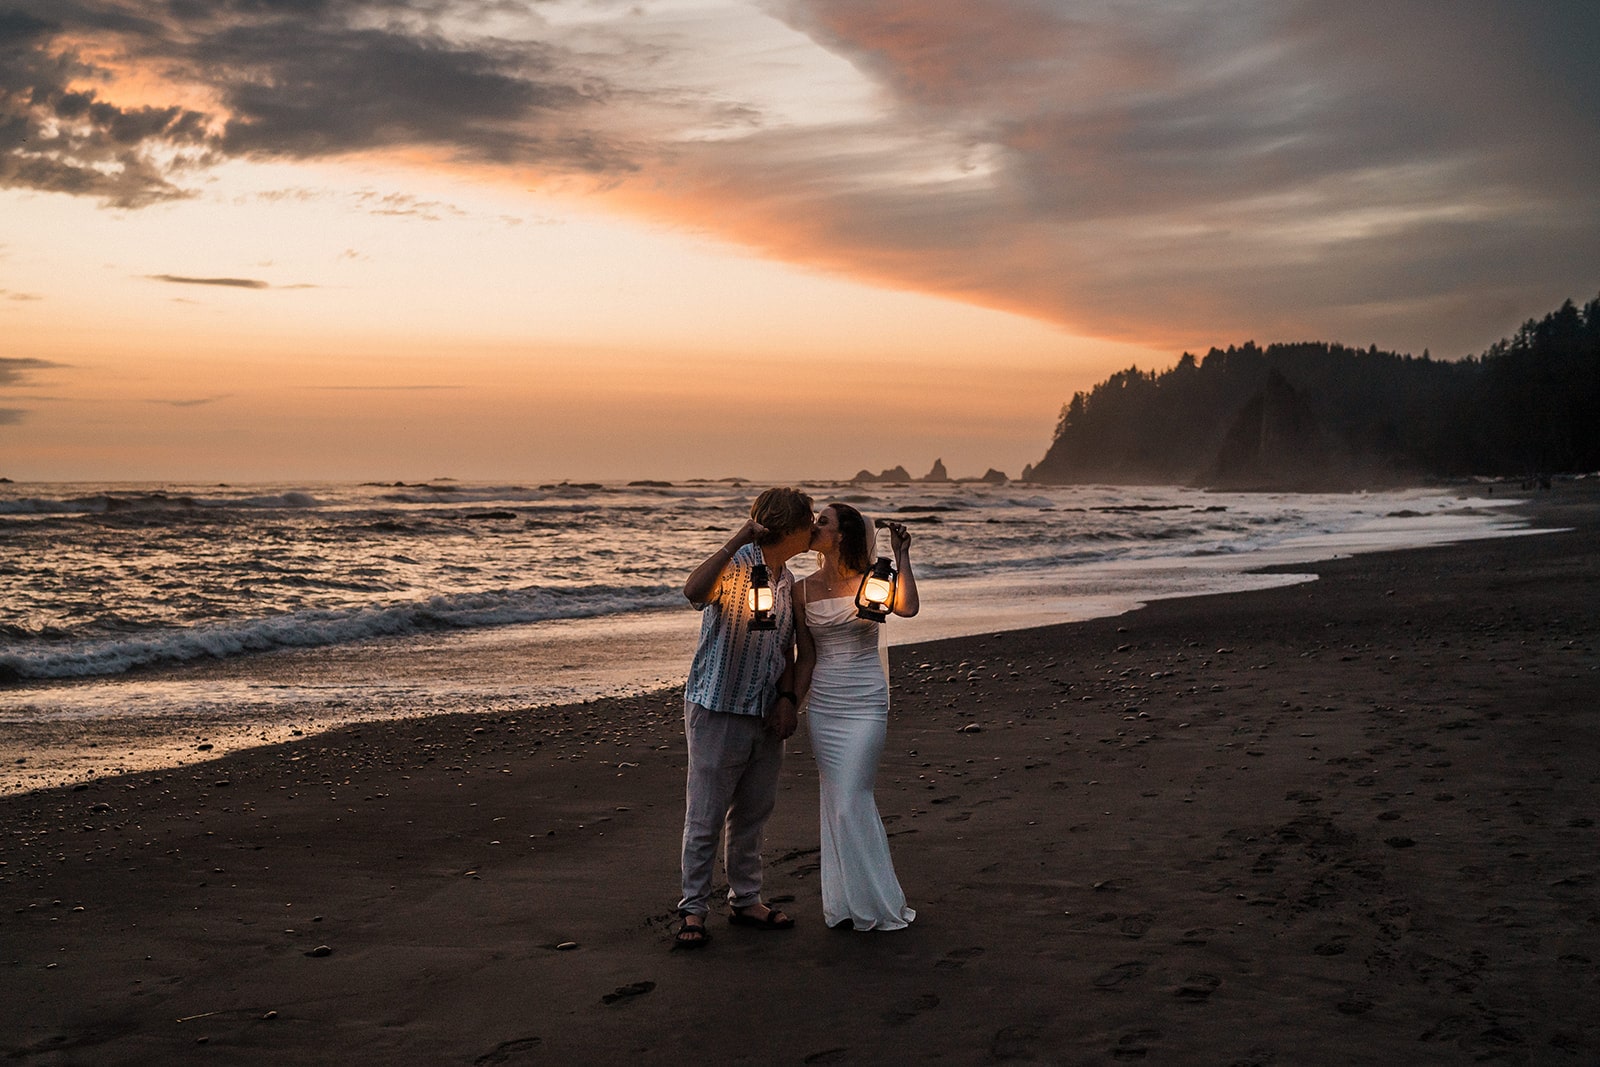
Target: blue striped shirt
(735, 669)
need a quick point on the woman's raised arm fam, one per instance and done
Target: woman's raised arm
(906, 603)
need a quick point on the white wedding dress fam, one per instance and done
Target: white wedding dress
(848, 716)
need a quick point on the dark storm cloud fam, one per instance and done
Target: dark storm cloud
(1388, 169)
(294, 79)
(310, 89)
(56, 138)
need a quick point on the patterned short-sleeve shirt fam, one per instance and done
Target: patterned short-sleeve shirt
(736, 669)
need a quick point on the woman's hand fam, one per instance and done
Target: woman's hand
(899, 538)
(906, 602)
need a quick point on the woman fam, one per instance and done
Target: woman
(843, 680)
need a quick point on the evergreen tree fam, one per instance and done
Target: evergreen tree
(1530, 404)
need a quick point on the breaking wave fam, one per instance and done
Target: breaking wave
(310, 629)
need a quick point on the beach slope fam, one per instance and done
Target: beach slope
(1345, 822)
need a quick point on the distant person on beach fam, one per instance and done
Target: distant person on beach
(842, 674)
(739, 707)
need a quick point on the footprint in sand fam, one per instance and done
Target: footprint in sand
(904, 1013)
(796, 854)
(1121, 975)
(1200, 935)
(1135, 1046)
(505, 1050)
(628, 992)
(1197, 987)
(1136, 926)
(1015, 1043)
(829, 1055)
(958, 957)
(1334, 946)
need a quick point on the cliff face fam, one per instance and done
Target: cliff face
(1275, 441)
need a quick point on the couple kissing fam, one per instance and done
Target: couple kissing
(747, 684)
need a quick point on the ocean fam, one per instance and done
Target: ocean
(141, 622)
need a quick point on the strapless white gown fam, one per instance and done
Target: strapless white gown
(847, 713)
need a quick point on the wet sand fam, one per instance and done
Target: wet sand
(1345, 822)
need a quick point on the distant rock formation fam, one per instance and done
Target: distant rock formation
(1027, 473)
(893, 474)
(937, 475)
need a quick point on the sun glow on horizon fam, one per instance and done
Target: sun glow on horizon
(316, 322)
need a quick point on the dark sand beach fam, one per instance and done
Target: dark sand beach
(1345, 822)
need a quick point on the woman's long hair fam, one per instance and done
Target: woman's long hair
(855, 543)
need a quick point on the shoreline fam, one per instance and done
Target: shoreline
(1343, 822)
(189, 714)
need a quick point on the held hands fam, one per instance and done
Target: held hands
(783, 718)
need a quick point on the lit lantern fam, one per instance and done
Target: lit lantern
(875, 598)
(761, 599)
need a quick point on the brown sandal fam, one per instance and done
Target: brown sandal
(685, 928)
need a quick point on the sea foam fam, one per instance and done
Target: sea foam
(307, 629)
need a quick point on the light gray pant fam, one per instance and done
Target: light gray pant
(734, 762)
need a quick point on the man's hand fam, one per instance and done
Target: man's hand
(750, 533)
(783, 718)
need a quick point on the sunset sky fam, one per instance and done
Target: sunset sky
(511, 239)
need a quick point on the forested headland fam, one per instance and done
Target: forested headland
(1324, 416)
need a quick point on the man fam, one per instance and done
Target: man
(738, 709)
